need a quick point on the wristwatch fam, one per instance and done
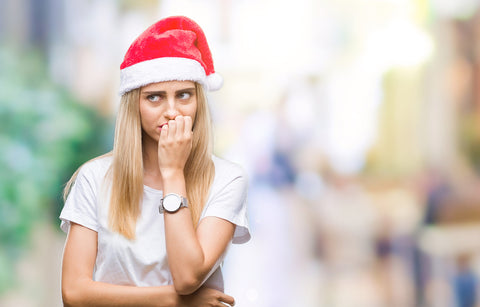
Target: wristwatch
(171, 203)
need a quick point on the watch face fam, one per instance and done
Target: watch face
(171, 202)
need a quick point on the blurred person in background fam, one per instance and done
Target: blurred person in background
(149, 223)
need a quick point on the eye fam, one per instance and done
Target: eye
(184, 95)
(153, 98)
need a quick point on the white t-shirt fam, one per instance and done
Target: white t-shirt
(143, 261)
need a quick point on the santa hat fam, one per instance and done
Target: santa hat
(174, 48)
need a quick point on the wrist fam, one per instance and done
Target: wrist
(172, 174)
(175, 299)
(174, 182)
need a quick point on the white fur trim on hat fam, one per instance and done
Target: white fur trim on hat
(165, 69)
(215, 81)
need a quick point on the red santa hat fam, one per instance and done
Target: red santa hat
(174, 48)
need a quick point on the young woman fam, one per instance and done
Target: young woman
(149, 223)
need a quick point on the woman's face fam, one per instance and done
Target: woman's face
(163, 101)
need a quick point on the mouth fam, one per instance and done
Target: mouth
(161, 126)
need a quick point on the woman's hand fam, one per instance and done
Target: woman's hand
(206, 297)
(174, 145)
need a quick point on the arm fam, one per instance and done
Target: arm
(79, 289)
(192, 254)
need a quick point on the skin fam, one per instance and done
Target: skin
(167, 111)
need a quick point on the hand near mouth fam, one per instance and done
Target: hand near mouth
(174, 145)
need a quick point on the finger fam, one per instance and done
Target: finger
(188, 125)
(227, 299)
(180, 121)
(172, 128)
(164, 132)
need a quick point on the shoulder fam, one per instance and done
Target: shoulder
(83, 198)
(228, 176)
(228, 197)
(96, 168)
(227, 170)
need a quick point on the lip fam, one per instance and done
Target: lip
(161, 126)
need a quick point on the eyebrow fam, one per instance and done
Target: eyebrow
(164, 92)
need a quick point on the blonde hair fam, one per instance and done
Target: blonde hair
(126, 171)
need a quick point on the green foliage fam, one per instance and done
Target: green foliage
(45, 134)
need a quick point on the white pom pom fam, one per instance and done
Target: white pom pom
(214, 81)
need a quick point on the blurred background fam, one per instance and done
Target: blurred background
(358, 122)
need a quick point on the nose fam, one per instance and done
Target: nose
(172, 110)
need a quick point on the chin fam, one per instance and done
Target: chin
(147, 137)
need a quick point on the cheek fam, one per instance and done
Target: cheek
(141, 108)
(194, 114)
(193, 111)
(146, 115)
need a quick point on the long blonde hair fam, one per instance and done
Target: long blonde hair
(126, 172)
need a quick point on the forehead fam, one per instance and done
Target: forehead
(168, 86)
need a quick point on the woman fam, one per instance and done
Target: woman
(149, 223)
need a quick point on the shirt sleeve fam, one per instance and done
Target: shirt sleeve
(230, 203)
(80, 206)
